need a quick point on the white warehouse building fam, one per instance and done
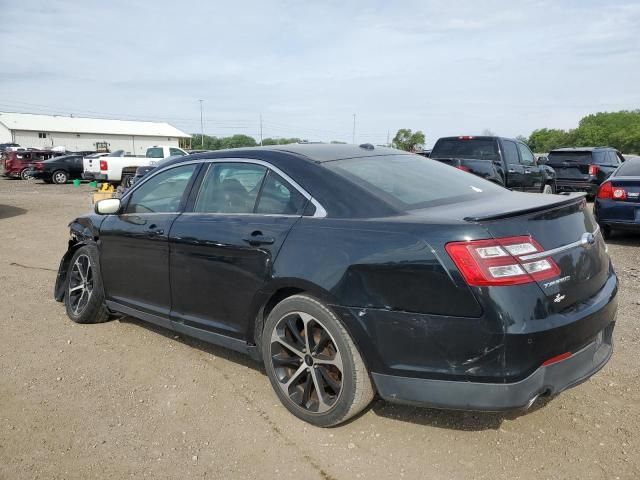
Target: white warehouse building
(80, 134)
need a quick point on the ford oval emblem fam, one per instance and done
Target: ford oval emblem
(588, 238)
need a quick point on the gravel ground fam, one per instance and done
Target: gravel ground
(125, 399)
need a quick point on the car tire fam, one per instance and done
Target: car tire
(329, 363)
(24, 175)
(547, 189)
(126, 181)
(60, 177)
(607, 232)
(84, 293)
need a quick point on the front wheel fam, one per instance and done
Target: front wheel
(60, 177)
(313, 364)
(84, 295)
(24, 174)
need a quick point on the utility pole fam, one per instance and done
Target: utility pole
(260, 129)
(388, 144)
(201, 128)
(353, 137)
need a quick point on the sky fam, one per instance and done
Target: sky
(445, 68)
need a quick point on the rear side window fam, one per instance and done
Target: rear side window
(279, 198)
(581, 158)
(411, 181)
(510, 153)
(176, 152)
(162, 193)
(630, 168)
(230, 188)
(478, 148)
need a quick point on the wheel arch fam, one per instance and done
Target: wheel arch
(274, 293)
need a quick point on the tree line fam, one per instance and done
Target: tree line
(614, 129)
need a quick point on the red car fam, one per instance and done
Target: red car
(17, 164)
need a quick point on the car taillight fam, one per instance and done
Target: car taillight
(593, 170)
(104, 165)
(463, 168)
(499, 261)
(608, 191)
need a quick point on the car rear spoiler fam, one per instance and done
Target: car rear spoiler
(570, 199)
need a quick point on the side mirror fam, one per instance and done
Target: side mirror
(108, 206)
(542, 160)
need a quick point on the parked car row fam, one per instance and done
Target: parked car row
(60, 167)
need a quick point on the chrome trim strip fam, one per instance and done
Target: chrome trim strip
(319, 213)
(554, 251)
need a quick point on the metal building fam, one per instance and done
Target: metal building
(79, 133)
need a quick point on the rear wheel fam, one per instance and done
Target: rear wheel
(313, 364)
(84, 295)
(24, 174)
(60, 177)
(547, 189)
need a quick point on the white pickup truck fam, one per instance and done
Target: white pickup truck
(110, 168)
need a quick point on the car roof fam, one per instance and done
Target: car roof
(316, 152)
(478, 137)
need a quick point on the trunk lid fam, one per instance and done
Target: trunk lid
(570, 235)
(558, 223)
(631, 185)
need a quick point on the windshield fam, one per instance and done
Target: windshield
(630, 168)
(411, 181)
(571, 157)
(478, 148)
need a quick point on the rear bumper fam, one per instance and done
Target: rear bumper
(457, 395)
(617, 214)
(94, 176)
(563, 185)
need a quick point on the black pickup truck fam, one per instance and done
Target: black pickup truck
(504, 161)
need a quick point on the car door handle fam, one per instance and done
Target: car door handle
(257, 238)
(527, 171)
(154, 230)
(511, 170)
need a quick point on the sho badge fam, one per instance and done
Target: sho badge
(558, 298)
(557, 282)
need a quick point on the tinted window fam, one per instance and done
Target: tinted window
(612, 158)
(480, 148)
(162, 193)
(230, 188)
(176, 152)
(630, 168)
(526, 157)
(278, 197)
(411, 181)
(510, 153)
(582, 158)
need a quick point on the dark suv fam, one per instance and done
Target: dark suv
(583, 169)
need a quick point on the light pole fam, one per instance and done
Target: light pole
(201, 128)
(353, 137)
(260, 129)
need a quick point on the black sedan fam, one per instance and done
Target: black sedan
(617, 205)
(58, 169)
(354, 270)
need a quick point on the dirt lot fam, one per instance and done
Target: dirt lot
(124, 399)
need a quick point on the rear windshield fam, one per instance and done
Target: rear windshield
(630, 168)
(480, 148)
(582, 158)
(412, 181)
(155, 152)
